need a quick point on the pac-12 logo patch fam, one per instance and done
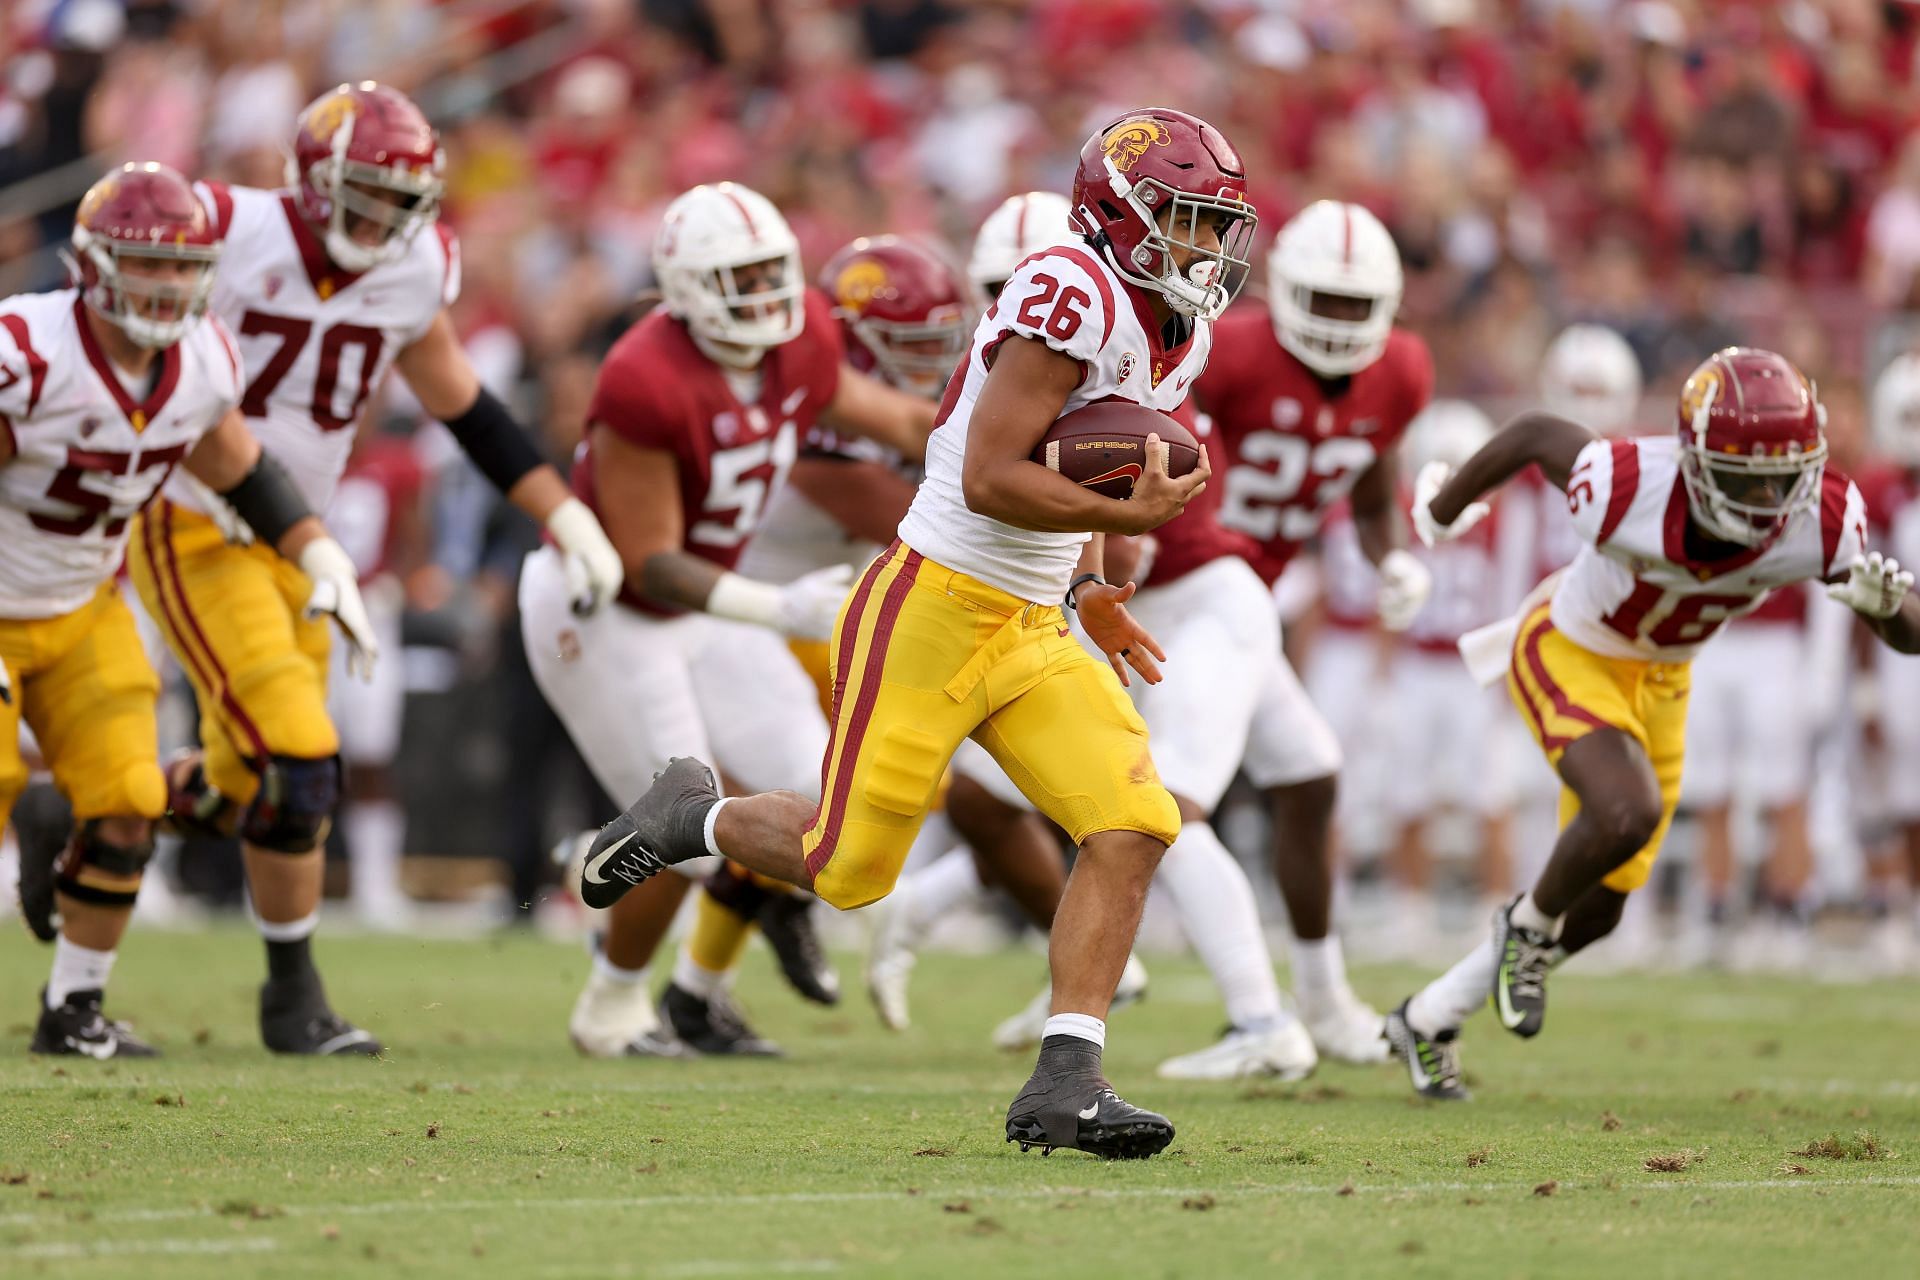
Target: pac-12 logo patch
(1127, 363)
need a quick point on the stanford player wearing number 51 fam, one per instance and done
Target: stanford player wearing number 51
(326, 286)
(1679, 533)
(956, 630)
(105, 388)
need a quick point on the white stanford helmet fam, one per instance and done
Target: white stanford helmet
(1333, 248)
(1449, 431)
(1022, 226)
(707, 234)
(1896, 410)
(1591, 377)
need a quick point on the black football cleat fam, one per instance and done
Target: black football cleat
(665, 826)
(42, 827)
(1433, 1063)
(712, 1026)
(786, 921)
(295, 1018)
(1068, 1103)
(1520, 981)
(78, 1029)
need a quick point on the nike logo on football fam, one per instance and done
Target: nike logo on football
(1092, 1109)
(592, 870)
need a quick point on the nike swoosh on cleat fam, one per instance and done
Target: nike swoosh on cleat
(1509, 1017)
(1093, 1109)
(591, 872)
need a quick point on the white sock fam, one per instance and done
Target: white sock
(376, 832)
(285, 930)
(1083, 1025)
(1218, 914)
(690, 977)
(707, 830)
(1527, 914)
(1319, 968)
(607, 971)
(943, 885)
(76, 968)
(1451, 998)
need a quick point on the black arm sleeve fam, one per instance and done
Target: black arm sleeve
(267, 500)
(495, 442)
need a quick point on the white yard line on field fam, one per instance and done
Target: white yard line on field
(935, 1195)
(123, 1248)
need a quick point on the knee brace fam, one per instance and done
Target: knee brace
(731, 887)
(96, 870)
(293, 809)
(194, 806)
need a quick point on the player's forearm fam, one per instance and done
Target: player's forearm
(675, 578)
(1901, 631)
(866, 407)
(867, 499)
(539, 491)
(1531, 439)
(1028, 496)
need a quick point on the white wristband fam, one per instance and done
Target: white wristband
(745, 600)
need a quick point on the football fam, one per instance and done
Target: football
(1103, 446)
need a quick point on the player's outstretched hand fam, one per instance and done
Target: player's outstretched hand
(1425, 486)
(1405, 584)
(1103, 613)
(1875, 585)
(336, 591)
(1157, 496)
(810, 604)
(593, 569)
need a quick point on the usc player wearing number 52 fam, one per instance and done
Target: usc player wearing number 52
(328, 284)
(105, 388)
(1679, 534)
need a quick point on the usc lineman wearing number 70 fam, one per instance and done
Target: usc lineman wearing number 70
(106, 388)
(327, 286)
(1680, 533)
(956, 630)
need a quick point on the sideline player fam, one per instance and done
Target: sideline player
(105, 388)
(1682, 533)
(1309, 400)
(696, 420)
(954, 631)
(327, 286)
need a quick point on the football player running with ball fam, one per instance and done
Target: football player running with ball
(1679, 534)
(327, 286)
(106, 388)
(956, 630)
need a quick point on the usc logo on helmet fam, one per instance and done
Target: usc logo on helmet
(858, 282)
(97, 195)
(328, 114)
(1127, 141)
(1702, 389)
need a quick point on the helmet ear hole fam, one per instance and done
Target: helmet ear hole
(1109, 212)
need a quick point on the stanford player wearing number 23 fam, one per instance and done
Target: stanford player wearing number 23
(326, 285)
(1680, 533)
(956, 630)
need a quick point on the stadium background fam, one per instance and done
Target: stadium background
(1691, 174)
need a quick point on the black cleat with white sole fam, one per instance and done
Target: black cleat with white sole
(1432, 1062)
(712, 1026)
(78, 1029)
(296, 1018)
(1525, 958)
(1069, 1104)
(786, 921)
(665, 826)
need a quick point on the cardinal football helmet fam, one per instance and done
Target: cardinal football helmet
(1340, 250)
(1752, 444)
(144, 211)
(1022, 225)
(1591, 376)
(365, 155)
(708, 240)
(909, 311)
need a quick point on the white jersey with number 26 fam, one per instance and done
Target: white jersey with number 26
(1069, 299)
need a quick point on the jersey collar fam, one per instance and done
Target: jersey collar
(1673, 537)
(138, 412)
(325, 278)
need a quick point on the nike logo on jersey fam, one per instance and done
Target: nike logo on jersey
(592, 870)
(1091, 1110)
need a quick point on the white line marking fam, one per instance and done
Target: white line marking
(937, 1194)
(117, 1248)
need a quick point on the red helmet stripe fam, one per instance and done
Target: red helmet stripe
(1020, 222)
(1346, 238)
(744, 215)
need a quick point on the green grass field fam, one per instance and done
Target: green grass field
(481, 1145)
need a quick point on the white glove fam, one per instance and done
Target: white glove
(1875, 586)
(805, 608)
(593, 568)
(336, 591)
(1425, 486)
(1405, 584)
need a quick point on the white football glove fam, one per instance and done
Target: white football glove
(336, 591)
(1405, 584)
(1875, 586)
(1425, 486)
(810, 604)
(593, 568)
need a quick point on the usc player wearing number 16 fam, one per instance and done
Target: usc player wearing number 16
(106, 388)
(1679, 534)
(327, 286)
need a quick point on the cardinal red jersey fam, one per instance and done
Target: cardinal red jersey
(657, 390)
(383, 482)
(1291, 445)
(1196, 536)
